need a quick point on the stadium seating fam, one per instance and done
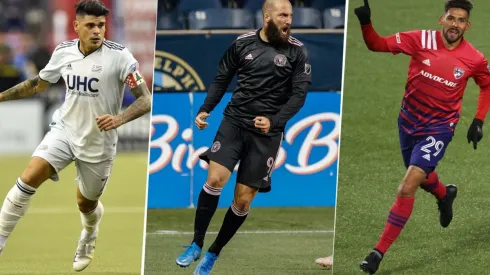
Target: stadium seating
(246, 14)
(186, 6)
(169, 21)
(325, 4)
(253, 5)
(220, 19)
(304, 18)
(307, 18)
(334, 18)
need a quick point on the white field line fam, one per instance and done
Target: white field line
(273, 232)
(123, 210)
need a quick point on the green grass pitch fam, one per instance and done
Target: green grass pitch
(306, 234)
(45, 239)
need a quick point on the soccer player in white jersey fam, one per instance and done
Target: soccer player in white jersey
(83, 130)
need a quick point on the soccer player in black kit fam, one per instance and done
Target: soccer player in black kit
(273, 77)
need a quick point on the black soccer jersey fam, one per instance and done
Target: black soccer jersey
(271, 81)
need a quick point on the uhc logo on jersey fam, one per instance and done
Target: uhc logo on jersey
(174, 74)
(82, 85)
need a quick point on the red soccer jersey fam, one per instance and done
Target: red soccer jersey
(437, 78)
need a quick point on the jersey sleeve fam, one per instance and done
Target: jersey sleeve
(229, 63)
(482, 73)
(482, 79)
(227, 68)
(52, 71)
(302, 69)
(129, 67)
(407, 42)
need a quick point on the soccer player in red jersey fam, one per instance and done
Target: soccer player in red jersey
(441, 64)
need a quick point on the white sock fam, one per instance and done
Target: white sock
(14, 207)
(90, 221)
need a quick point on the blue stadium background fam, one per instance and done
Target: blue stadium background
(191, 38)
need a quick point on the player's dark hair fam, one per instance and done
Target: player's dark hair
(91, 7)
(459, 4)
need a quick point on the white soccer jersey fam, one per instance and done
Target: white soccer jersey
(94, 86)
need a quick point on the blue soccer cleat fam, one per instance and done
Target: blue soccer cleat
(206, 264)
(191, 254)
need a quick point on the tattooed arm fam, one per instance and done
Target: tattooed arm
(25, 89)
(139, 107)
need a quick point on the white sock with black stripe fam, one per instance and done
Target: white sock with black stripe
(14, 207)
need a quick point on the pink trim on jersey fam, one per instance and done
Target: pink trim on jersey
(294, 41)
(246, 35)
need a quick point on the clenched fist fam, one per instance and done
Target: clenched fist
(201, 120)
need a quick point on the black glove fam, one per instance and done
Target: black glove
(363, 13)
(475, 132)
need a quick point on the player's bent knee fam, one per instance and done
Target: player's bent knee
(414, 177)
(243, 202)
(218, 175)
(85, 205)
(37, 171)
(242, 205)
(215, 180)
(29, 179)
(405, 190)
(408, 187)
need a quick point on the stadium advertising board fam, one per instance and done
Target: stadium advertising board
(21, 125)
(306, 168)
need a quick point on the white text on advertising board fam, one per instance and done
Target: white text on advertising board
(185, 155)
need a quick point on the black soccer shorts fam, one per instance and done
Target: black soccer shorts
(256, 152)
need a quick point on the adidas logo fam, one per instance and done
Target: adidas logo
(426, 62)
(427, 157)
(69, 66)
(249, 57)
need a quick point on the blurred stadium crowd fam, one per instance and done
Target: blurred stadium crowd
(245, 14)
(24, 44)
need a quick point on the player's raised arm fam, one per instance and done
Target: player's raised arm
(404, 42)
(24, 89)
(373, 41)
(301, 80)
(226, 70)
